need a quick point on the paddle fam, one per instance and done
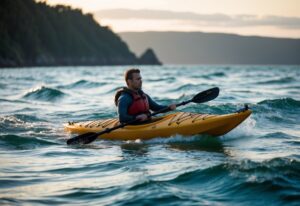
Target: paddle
(89, 137)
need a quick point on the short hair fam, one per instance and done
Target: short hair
(129, 73)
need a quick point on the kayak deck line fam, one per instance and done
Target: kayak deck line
(182, 123)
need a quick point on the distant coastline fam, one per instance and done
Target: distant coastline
(215, 48)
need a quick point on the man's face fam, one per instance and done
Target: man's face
(136, 81)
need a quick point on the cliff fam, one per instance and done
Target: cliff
(35, 34)
(149, 58)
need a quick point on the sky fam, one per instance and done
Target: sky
(277, 18)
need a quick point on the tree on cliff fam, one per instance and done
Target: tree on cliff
(33, 33)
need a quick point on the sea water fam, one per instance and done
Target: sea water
(258, 163)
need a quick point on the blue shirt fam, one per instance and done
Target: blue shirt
(124, 102)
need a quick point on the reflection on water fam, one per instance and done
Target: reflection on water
(134, 149)
(203, 143)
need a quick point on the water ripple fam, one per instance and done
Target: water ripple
(44, 94)
(257, 163)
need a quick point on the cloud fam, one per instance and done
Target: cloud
(222, 20)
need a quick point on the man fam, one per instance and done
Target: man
(132, 102)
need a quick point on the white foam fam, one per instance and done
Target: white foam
(164, 140)
(246, 128)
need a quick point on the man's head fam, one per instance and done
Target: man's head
(133, 79)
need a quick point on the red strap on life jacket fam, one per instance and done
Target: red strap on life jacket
(139, 104)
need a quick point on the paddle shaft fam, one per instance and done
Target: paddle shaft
(136, 120)
(168, 109)
(133, 121)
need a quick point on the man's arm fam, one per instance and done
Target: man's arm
(154, 106)
(123, 104)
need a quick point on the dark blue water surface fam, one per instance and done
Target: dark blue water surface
(258, 163)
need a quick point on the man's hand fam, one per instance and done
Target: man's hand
(142, 117)
(172, 106)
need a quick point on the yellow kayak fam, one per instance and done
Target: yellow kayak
(183, 123)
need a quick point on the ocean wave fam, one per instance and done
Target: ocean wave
(286, 167)
(44, 94)
(213, 75)
(293, 142)
(168, 79)
(114, 90)
(185, 87)
(22, 123)
(279, 111)
(281, 173)
(281, 164)
(277, 135)
(215, 109)
(19, 118)
(292, 87)
(12, 101)
(276, 175)
(2, 86)
(18, 142)
(284, 103)
(200, 175)
(82, 84)
(283, 80)
(16, 123)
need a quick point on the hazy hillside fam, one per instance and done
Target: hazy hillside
(215, 48)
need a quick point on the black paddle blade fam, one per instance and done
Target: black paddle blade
(83, 138)
(207, 95)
